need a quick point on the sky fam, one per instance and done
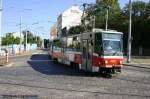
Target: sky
(36, 15)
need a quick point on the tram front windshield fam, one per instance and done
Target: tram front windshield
(112, 43)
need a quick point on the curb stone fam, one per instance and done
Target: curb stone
(7, 65)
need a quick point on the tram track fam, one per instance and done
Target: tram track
(25, 83)
(76, 85)
(54, 77)
(74, 90)
(51, 79)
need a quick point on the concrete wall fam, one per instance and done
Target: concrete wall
(15, 49)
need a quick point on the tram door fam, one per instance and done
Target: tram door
(86, 55)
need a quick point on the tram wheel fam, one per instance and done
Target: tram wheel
(113, 71)
(119, 70)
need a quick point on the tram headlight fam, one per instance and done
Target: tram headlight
(121, 62)
(106, 62)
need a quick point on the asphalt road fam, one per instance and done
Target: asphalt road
(40, 77)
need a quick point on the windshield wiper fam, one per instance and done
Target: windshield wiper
(115, 53)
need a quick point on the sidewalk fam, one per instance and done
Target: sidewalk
(10, 63)
(139, 61)
(2, 60)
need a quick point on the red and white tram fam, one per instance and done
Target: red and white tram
(93, 51)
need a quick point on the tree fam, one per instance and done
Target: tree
(17, 40)
(140, 23)
(99, 10)
(112, 3)
(76, 30)
(31, 38)
(38, 41)
(57, 43)
(147, 11)
(9, 39)
(119, 19)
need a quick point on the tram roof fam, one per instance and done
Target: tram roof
(97, 31)
(116, 32)
(104, 31)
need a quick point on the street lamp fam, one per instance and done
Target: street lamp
(26, 38)
(129, 33)
(0, 24)
(20, 34)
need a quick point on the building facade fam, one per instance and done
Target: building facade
(53, 32)
(69, 18)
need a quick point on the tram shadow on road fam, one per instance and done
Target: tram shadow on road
(43, 64)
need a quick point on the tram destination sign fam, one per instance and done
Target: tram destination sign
(111, 36)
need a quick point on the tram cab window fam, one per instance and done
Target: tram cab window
(110, 46)
(107, 45)
(112, 42)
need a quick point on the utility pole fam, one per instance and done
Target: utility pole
(83, 15)
(21, 30)
(20, 33)
(26, 40)
(107, 17)
(0, 24)
(106, 27)
(130, 30)
(94, 19)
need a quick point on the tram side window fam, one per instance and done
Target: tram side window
(84, 52)
(76, 45)
(98, 43)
